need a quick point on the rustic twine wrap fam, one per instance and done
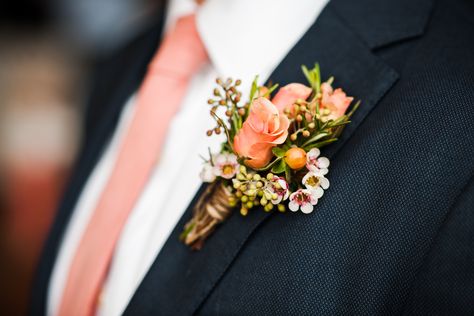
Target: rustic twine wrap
(211, 209)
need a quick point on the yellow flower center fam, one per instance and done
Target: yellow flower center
(312, 181)
(228, 170)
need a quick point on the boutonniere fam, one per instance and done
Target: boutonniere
(271, 157)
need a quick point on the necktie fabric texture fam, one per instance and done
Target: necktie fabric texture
(179, 57)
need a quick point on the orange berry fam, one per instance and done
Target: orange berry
(295, 158)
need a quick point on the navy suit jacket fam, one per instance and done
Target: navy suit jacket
(394, 234)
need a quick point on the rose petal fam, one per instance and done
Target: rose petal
(288, 95)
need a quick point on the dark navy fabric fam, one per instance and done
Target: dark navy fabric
(394, 234)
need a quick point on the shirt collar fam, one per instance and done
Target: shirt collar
(245, 38)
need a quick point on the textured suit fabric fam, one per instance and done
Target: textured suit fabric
(394, 234)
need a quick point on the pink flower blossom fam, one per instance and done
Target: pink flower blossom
(207, 173)
(316, 183)
(288, 95)
(226, 165)
(315, 163)
(280, 187)
(302, 199)
(336, 101)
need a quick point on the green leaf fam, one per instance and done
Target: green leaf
(270, 165)
(317, 78)
(279, 167)
(287, 173)
(354, 108)
(279, 152)
(307, 73)
(320, 144)
(340, 124)
(315, 138)
(254, 88)
(313, 76)
(270, 90)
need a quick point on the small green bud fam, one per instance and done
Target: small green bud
(268, 207)
(270, 176)
(251, 192)
(281, 208)
(244, 199)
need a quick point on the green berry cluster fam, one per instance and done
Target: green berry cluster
(251, 189)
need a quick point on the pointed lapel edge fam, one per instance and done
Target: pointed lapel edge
(188, 277)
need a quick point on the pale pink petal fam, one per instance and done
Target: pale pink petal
(323, 162)
(317, 193)
(293, 206)
(324, 183)
(307, 208)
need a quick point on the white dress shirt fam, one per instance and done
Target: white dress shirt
(243, 38)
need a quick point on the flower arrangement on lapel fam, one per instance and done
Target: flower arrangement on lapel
(271, 157)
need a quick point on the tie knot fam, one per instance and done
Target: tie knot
(181, 52)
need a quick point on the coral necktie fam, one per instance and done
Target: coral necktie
(180, 55)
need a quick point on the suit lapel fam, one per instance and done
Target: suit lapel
(180, 279)
(116, 86)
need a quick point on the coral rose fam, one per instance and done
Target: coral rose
(335, 101)
(288, 95)
(263, 129)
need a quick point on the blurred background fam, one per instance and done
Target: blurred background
(47, 51)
